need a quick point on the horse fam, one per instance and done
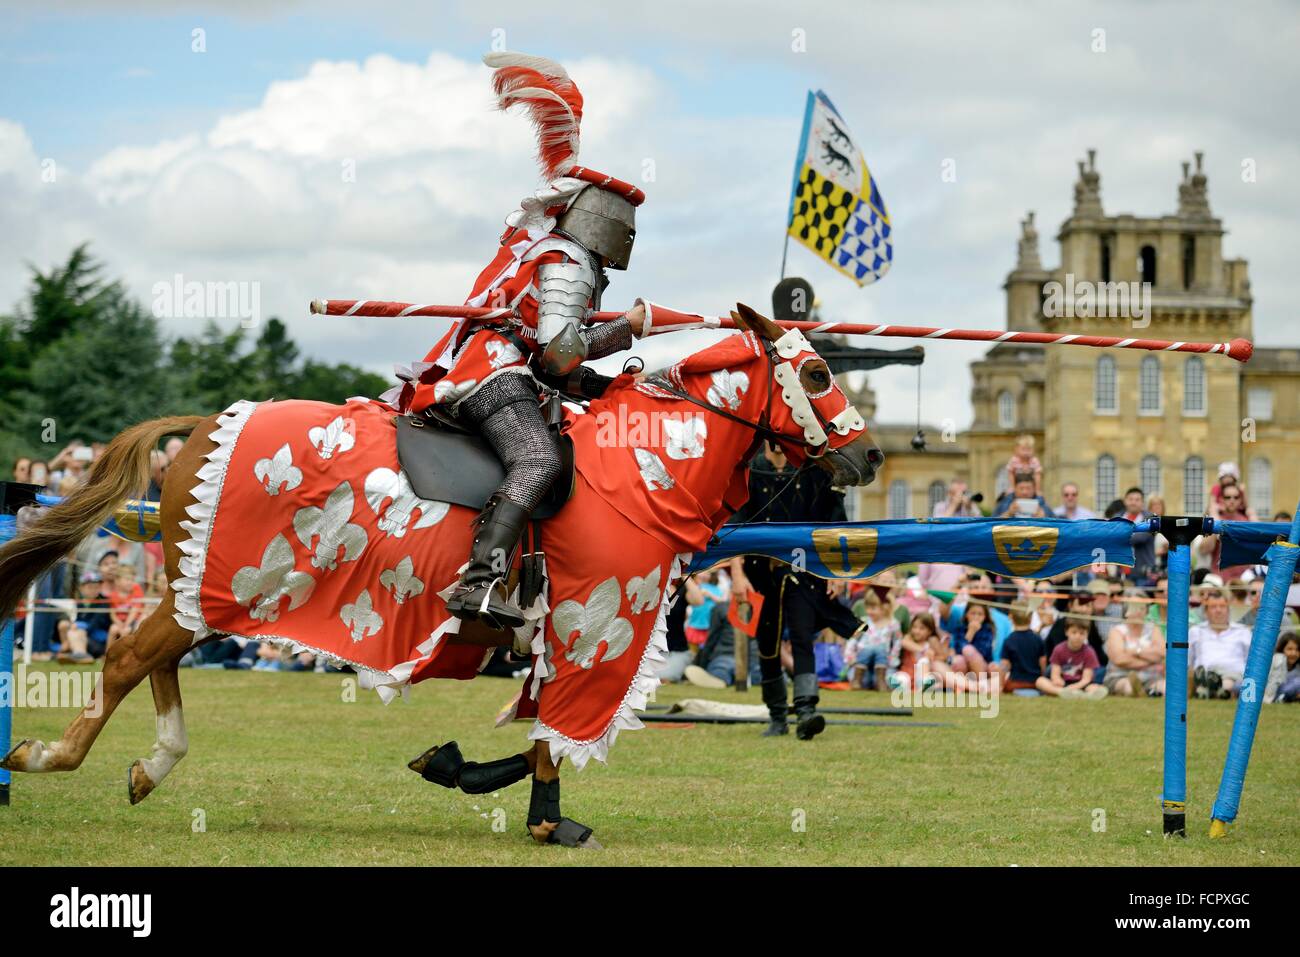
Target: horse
(641, 505)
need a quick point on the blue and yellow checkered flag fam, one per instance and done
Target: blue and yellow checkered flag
(836, 209)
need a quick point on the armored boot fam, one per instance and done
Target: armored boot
(810, 723)
(482, 593)
(777, 709)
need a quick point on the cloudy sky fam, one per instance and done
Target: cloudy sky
(229, 163)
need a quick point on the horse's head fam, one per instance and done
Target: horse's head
(807, 408)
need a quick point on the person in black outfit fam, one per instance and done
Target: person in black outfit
(797, 601)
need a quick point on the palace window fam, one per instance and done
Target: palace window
(1189, 261)
(1259, 488)
(1194, 486)
(937, 493)
(1104, 392)
(1259, 403)
(1149, 475)
(1106, 485)
(1006, 410)
(1147, 265)
(1194, 386)
(1105, 259)
(1149, 386)
(900, 499)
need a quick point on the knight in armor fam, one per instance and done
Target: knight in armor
(794, 603)
(546, 281)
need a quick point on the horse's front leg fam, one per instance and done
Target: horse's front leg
(545, 822)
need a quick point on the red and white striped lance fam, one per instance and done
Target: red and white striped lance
(664, 320)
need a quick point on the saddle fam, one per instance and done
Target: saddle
(445, 462)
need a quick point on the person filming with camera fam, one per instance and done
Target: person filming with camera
(959, 503)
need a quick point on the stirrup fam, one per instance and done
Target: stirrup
(480, 602)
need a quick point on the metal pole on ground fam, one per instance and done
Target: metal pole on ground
(1281, 567)
(29, 623)
(8, 530)
(1180, 532)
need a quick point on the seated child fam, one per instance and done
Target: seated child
(872, 648)
(1073, 664)
(1284, 675)
(1023, 660)
(974, 640)
(915, 654)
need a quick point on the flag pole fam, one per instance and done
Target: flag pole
(785, 251)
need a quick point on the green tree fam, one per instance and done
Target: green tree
(99, 378)
(336, 383)
(273, 363)
(65, 299)
(79, 354)
(209, 372)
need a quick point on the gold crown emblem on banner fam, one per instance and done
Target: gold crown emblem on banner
(1024, 549)
(846, 552)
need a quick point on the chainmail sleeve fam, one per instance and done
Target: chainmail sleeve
(606, 338)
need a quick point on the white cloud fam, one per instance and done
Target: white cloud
(1012, 93)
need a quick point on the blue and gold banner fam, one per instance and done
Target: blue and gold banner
(135, 521)
(1024, 548)
(1244, 543)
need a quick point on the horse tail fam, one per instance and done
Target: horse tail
(122, 471)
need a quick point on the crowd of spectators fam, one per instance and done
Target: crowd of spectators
(1090, 633)
(106, 586)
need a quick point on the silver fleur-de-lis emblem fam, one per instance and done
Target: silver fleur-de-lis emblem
(401, 581)
(448, 391)
(278, 473)
(727, 388)
(337, 437)
(596, 623)
(653, 471)
(360, 617)
(385, 485)
(684, 438)
(331, 529)
(644, 593)
(502, 353)
(271, 582)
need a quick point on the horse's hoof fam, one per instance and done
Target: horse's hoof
(565, 832)
(441, 764)
(422, 762)
(16, 761)
(138, 784)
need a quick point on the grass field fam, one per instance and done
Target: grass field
(282, 771)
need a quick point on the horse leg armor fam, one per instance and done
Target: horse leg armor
(446, 766)
(544, 807)
(505, 411)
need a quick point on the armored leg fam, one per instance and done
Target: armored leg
(506, 412)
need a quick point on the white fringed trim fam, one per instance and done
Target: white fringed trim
(641, 689)
(194, 549)
(189, 614)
